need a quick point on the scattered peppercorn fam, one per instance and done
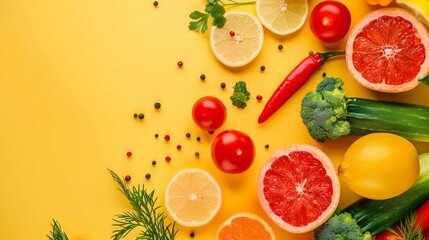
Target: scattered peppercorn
(157, 105)
(280, 47)
(141, 116)
(324, 74)
(203, 77)
(211, 132)
(167, 158)
(129, 154)
(155, 3)
(128, 178)
(262, 68)
(180, 64)
(153, 163)
(267, 146)
(223, 85)
(192, 234)
(147, 176)
(156, 135)
(167, 137)
(135, 115)
(259, 97)
(197, 154)
(188, 135)
(179, 147)
(198, 139)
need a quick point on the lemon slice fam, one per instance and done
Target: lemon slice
(239, 41)
(193, 198)
(282, 17)
(418, 7)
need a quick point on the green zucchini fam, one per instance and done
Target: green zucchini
(375, 216)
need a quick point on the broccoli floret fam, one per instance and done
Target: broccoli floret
(340, 226)
(324, 111)
(240, 96)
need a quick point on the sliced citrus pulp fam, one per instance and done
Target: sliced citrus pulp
(418, 7)
(245, 226)
(239, 41)
(298, 188)
(282, 17)
(388, 50)
(193, 197)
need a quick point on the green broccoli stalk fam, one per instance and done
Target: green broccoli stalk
(240, 96)
(328, 113)
(340, 226)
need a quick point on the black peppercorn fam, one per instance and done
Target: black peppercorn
(223, 85)
(155, 3)
(203, 77)
(141, 116)
(148, 176)
(280, 47)
(157, 105)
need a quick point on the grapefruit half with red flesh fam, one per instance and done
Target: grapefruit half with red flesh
(388, 50)
(298, 188)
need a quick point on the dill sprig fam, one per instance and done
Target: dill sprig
(146, 214)
(57, 233)
(407, 229)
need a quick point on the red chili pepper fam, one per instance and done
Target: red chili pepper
(422, 219)
(294, 81)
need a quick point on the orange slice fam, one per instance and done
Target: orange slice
(282, 17)
(245, 226)
(193, 197)
(239, 42)
(298, 188)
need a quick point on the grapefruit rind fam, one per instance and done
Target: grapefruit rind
(420, 30)
(330, 170)
(226, 48)
(247, 215)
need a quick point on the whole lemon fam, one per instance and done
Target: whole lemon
(380, 166)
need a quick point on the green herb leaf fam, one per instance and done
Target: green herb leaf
(214, 9)
(146, 214)
(240, 96)
(57, 233)
(425, 80)
(408, 230)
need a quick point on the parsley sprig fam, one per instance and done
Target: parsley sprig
(146, 214)
(57, 233)
(214, 9)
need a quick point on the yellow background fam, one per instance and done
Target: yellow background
(73, 73)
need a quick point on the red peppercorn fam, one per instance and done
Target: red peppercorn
(129, 154)
(179, 147)
(167, 158)
(167, 137)
(232, 33)
(128, 178)
(259, 97)
(180, 63)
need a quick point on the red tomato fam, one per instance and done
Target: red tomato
(233, 151)
(330, 21)
(209, 113)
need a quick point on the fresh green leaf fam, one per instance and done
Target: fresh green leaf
(212, 1)
(209, 8)
(217, 11)
(195, 26)
(146, 214)
(425, 80)
(219, 22)
(407, 229)
(196, 15)
(204, 27)
(240, 96)
(57, 233)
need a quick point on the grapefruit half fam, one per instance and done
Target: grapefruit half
(388, 50)
(298, 188)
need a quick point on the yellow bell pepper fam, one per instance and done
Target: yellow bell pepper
(379, 2)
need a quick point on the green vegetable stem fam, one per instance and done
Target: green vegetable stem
(214, 9)
(328, 113)
(57, 233)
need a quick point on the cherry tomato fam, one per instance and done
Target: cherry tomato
(209, 113)
(330, 21)
(233, 151)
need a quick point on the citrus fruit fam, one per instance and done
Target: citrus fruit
(245, 226)
(239, 41)
(298, 188)
(380, 165)
(282, 17)
(388, 50)
(418, 7)
(193, 197)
